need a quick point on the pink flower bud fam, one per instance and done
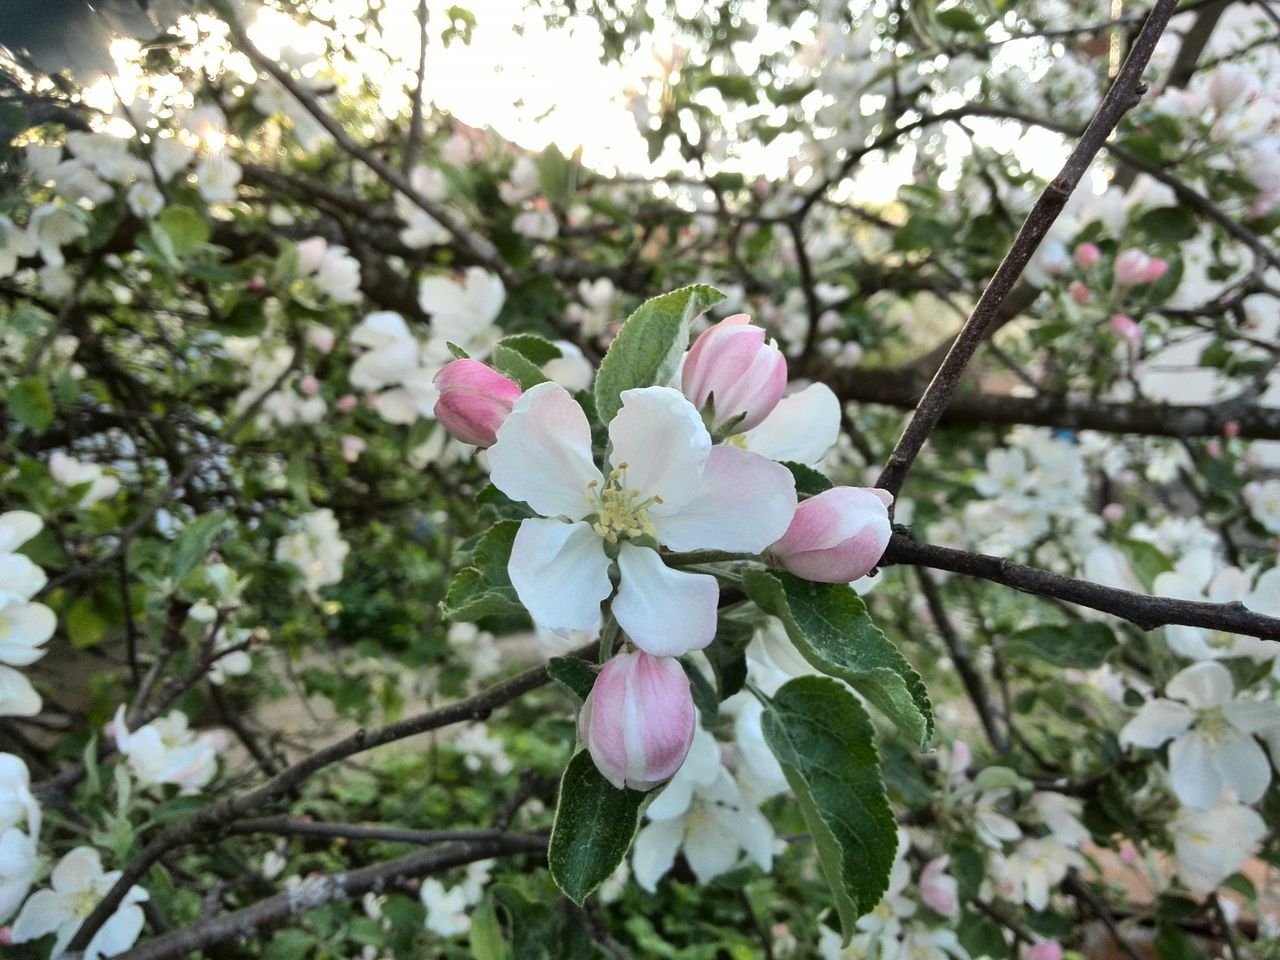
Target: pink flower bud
(1079, 292)
(1213, 448)
(256, 284)
(837, 536)
(321, 339)
(732, 367)
(1231, 429)
(1128, 853)
(638, 721)
(1133, 267)
(1087, 255)
(1044, 950)
(309, 386)
(1113, 512)
(6, 936)
(347, 402)
(352, 447)
(1126, 328)
(474, 400)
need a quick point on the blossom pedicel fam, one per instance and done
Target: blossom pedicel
(638, 721)
(474, 401)
(837, 536)
(737, 372)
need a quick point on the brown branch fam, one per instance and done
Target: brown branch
(291, 826)
(1137, 608)
(318, 891)
(226, 811)
(1123, 95)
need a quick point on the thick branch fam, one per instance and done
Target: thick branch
(1140, 609)
(1122, 96)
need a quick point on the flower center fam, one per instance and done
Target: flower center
(84, 903)
(621, 514)
(1212, 723)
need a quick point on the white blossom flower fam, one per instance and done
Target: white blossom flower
(703, 811)
(78, 883)
(1061, 814)
(993, 827)
(572, 370)
(15, 242)
(537, 223)
(1196, 577)
(596, 311)
(51, 228)
(446, 908)
(69, 472)
(218, 175)
(1036, 866)
(1214, 843)
(145, 200)
(1263, 499)
(667, 486)
(19, 867)
(801, 428)
(464, 312)
(1212, 733)
(168, 751)
(523, 182)
(316, 548)
(17, 804)
(338, 275)
(421, 229)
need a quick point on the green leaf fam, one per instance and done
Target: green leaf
(457, 351)
(192, 544)
(509, 360)
(484, 589)
(727, 655)
(291, 945)
(648, 348)
(486, 940)
(826, 745)
(573, 674)
(185, 230)
(830, 627)
(84, 623)
(534, 348)
(959, 19)
(31, 404)
(594, 825)
(1082, 644)
(809, 482)
(1170, 225)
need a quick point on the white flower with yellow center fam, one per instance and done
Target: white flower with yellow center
(667, 486)
(1212, 734)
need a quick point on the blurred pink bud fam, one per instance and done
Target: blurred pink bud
(1128, 852)
(1133, 267)
(6, 936)
(347, 402)
(1044, 950)
(1079, 292)
(1213, 448)
(321, 339)
(311, 254)
(474, 400)
(352, 447)
(1228, 84)
(309, 386)
(732, 367)
(1087, 255)
(256, 284)
(1113, 513)
(1126, 328)
(761, 188)
(638, 721)
(305, 818)
(837, 536)
(1231, 429)
(938, 889)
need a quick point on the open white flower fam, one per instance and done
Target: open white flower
(69, 472)
(1036, 867)
(1210, 845)
(1196, 577)
(668, 486)
(168, 751)
(801, 428)
(15, 242)
(702, 811)
(78, 883)
(1212, 734)
(18, 805)
(463, 312)
(446, 908)
(52, 227)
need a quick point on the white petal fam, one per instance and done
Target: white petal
(16, 528)
(543, 454)
(117, 935)
(1251, 716)
(801, 428)
(20, 579)
(1193, 772)
(655, 851)
(1202, 685)
(710, 848)
(18, 698)
(23, 628)
(561, 573)
(1158, 720)
(661, 439)
(41, 915)
(1243, 766)
(743, 503)
(77, 871)
(665, 612)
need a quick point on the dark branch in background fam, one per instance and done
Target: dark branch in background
(415, 118)
(292, 827)
(1123, 95)
(318, 891)
(1137, 608)
(471, 244)
(209, 819)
